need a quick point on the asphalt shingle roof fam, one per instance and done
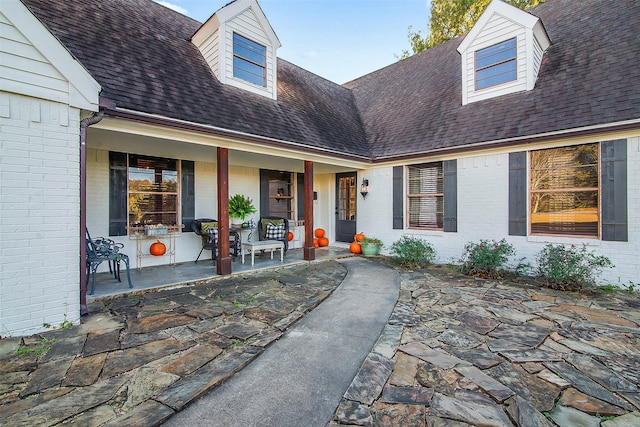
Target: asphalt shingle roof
(590, 75)
(140, 52)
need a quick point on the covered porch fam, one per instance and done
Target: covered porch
(163, 276)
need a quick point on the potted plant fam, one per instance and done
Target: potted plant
(370, 246)
(239, 207)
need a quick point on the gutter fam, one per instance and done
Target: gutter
(84, 124)
(520, 140)
(226, 133)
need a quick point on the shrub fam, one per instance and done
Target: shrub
(569, 268)
(412, 252)
(486, 259)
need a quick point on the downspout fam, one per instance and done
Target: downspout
(84, 124)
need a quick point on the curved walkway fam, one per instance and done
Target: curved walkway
(301, 378)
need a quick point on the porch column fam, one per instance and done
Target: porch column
(223, 262)
(309, 251)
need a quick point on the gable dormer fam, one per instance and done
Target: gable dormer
(240, 46)
(502, 53)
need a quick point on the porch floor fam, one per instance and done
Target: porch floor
(187, 272)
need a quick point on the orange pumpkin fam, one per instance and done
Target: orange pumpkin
(316, 243)
(158, 249)
(358, 237)
(290, 236)
(355, 248)
(319, 232)
(323, 241)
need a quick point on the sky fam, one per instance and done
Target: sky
(339, 40)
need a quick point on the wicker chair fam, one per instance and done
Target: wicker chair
(263, 231)
(207, 229)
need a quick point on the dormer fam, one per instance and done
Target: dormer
(502, 53)
(240, 46)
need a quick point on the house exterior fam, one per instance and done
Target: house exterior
(122, 114)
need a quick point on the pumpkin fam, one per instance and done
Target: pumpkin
(319, 232)
(358, 237)
(316, 244)
(290, 236)
(158, 248)
(355, 248)
(323, 241)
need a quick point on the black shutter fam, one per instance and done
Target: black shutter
(300, 196)
(614, 190)
(188, 191)
(264, 192)
(518, 193)
(398, 198)
(450, 178)
(117, 194)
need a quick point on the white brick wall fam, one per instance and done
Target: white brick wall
(40, 205)
(483, 214)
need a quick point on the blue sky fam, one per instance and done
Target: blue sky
(339, 40)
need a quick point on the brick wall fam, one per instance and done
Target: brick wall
(40, 205)
(483, 214)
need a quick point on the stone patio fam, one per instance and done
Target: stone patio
(459, 351)
(456, 351)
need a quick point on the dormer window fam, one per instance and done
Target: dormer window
(249, 60)
(240, 47)
(496, 64)
(502, 54)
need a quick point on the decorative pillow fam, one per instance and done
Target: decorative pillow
(275, 232)
(266, 222)
(206, 226)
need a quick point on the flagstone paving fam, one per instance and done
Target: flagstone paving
(475, 352)
(456, 352)
(137, 360)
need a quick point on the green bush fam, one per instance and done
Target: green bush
(486, 259)
(412, 252)
(569, 268)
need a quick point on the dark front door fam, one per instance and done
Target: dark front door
(345, 206)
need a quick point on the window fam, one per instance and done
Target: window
(426, 195)
(496, 64)
(153, 191)
(249, 60)
(277, 193)
(565, 191)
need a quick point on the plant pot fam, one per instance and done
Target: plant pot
(369, 249)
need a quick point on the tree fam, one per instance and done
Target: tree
(452, 18)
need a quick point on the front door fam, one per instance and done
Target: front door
(345, 206)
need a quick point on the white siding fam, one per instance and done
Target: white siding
(210, 50)
(25, 70)
(40, 204)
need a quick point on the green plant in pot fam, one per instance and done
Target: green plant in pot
(239, 207)
(370, 246)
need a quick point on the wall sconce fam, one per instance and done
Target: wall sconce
(364, 188)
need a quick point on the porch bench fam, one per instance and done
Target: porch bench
(262, 245)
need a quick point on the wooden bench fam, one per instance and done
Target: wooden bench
(262, 245)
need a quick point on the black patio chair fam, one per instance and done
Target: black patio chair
(100, 250)
(274, 228)
(207, 229)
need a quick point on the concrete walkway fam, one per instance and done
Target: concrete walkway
(301, 378)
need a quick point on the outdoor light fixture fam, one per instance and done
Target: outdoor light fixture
(364, 188)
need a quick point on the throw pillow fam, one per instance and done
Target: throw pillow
(265, 222)
(206, 226)
(275, 232)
